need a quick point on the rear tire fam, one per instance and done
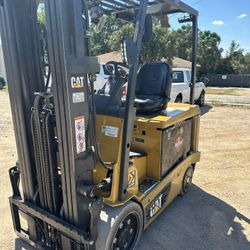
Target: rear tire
(187, 180)
(201, 100)
(120, 227)
(178, 99)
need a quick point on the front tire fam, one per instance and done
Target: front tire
(120, 227)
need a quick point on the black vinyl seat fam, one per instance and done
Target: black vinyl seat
(153, 88)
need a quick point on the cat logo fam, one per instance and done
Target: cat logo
(155, 207)
(77, 82)
(131, 178)
(179, 144)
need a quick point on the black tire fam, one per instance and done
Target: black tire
(178, 99)
(201, 100)
(1, 85)
(120, 227)
(187, 180)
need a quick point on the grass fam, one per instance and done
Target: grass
(228, 91)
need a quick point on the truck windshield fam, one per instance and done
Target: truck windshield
(178, 76)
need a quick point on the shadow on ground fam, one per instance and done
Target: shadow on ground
(197, 221)
(205, 109)
(21, 245)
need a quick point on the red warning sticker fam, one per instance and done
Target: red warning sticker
(80, 134)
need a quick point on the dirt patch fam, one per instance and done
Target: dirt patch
(7, 159)
(214, 215)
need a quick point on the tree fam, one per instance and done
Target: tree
(236, 57)
(41, 14)
(116, 38)
(182, 38)
(100, 41)
(247, 64)
(162, 46)
(166, 44)
(224, 67)
(209, 56)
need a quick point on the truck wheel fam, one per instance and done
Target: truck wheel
(187, 180)
(178, 99)
(120, 227)
(1, 85)
(201, 100)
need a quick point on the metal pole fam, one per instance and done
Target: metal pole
(18, 27)
(194, 58)
(130, 111)
(70, 65)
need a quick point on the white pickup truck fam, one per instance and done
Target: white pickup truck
(101, 77)
(181, 87)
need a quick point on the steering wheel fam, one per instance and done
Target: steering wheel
(116, 69)
(114, 84)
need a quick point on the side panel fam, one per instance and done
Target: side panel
(148, 139)
(169, 187)
(109, 132)
(176, 144)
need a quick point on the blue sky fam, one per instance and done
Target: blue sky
(229, 18)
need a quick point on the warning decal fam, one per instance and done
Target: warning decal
(80, 135)
(110, 131)
(131, 178)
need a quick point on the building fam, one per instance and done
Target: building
(116, 56)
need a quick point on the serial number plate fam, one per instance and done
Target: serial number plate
(78, 97)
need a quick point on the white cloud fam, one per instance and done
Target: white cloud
(218, 22)
(243, 15)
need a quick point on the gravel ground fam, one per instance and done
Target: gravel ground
(214, 215)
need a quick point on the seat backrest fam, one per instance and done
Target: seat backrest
(154, 79)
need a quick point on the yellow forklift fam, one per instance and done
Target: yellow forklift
(95, 169)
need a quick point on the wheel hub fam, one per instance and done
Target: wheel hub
(188, 179)
(126, 234)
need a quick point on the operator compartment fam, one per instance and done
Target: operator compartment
(164, 134)
(162, 130)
